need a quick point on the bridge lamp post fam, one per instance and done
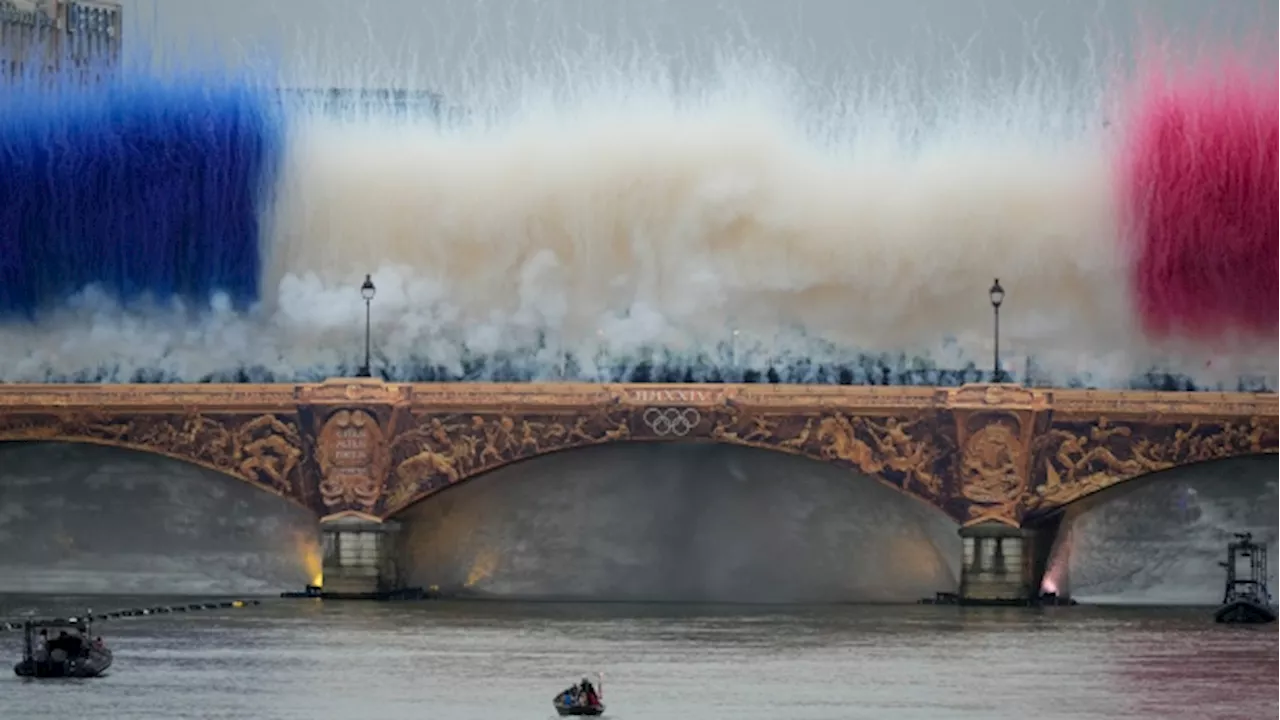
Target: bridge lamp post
(367, 291)
(997, 297)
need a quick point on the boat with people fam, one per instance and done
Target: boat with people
(61, 649)
(583, 699)
(1246, 600)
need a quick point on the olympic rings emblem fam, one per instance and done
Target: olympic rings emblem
(672, 422)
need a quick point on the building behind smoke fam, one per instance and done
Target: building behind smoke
(350, 103)
(59, 35)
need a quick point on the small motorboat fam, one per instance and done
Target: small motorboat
(580, 710)
(1246, 601)
(61, 649)
(581, 700)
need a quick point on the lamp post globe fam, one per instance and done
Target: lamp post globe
(367, 291)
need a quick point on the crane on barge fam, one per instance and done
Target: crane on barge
(1246, 600)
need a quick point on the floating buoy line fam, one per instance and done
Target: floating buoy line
(131, 612)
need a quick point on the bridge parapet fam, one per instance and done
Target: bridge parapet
(365, 448)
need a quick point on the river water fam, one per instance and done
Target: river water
(311, 660)
(91, 521)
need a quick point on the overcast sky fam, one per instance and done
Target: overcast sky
(440, 35)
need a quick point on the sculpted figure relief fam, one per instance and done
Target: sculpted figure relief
(904, 437)
(761, 431)
(1081, 459)
(838, 439)
(442, 449)
(886, 448)
(907, 455)
(904, 451)
(262, 449)
(991, 470)
(270, 450)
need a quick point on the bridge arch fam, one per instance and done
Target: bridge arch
(1076, 460)
(908, 453)
(678, 521)
(264, 451)
(855, 473)
(1158, 537)
(1121, 484)
(97, 517)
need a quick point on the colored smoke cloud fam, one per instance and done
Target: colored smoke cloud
(139, 188)
(615, 222)
(1199, 171)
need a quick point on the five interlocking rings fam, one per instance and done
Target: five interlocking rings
(678, 422)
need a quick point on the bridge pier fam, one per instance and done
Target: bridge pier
(359, 559)
(999, 565)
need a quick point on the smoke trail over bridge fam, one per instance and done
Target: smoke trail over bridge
(623, 216)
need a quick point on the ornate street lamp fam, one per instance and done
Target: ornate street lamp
(997, 297)
(367, 291)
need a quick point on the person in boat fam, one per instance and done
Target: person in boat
(71, 645)
(570, 697)
(58, 647)
(41, 651)
(98, 644)
(588, 693)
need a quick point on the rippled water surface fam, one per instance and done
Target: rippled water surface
(307, 659)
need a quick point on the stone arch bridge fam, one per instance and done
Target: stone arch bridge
(996, 456)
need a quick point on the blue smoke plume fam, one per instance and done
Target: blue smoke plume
(138, 186)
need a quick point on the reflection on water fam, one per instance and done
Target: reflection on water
(308, 659)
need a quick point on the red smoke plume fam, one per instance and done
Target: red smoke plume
(1199, 178)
